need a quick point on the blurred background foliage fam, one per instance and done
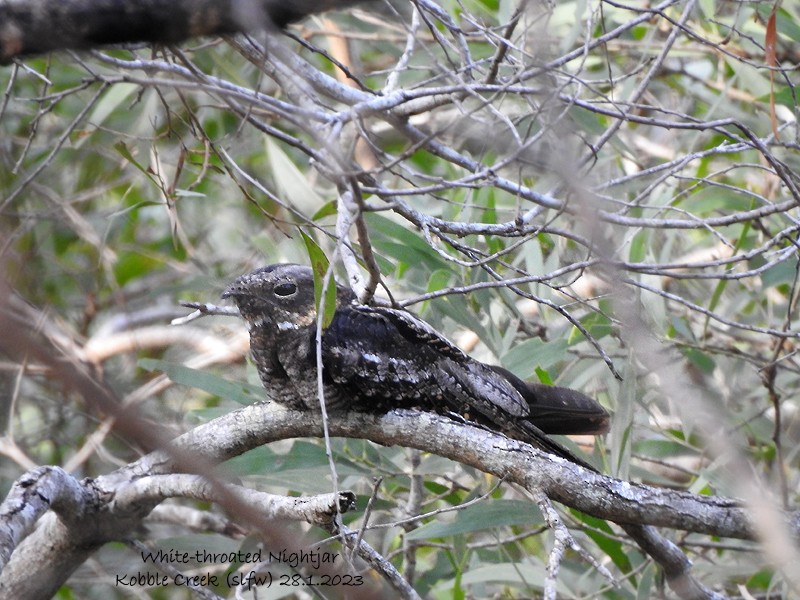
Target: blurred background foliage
(622, 164)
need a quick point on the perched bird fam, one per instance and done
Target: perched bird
(376, 359)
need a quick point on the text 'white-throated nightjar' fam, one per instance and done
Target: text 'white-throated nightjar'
(376, 359)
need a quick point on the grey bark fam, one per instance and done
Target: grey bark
(60, 546)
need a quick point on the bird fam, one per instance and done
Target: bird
(376, 359)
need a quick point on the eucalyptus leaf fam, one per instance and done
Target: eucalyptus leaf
(320, 266)
(242, 393)
(524, 358)
(483, 515)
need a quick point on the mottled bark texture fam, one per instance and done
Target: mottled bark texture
(36, 26)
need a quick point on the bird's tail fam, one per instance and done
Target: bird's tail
(559, 410)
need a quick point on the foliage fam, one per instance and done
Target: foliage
(576, 191)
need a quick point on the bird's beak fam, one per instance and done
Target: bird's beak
(239, 287)
(234, 290)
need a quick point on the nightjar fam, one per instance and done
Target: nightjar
(376, 359)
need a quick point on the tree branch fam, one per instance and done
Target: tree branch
(38, 26)
(630, 504)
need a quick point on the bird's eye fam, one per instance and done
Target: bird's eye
(285, 289)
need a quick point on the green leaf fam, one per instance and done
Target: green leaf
(320, 266)
(304, 467)
(517, 574)
(291, 182)
(781, 273)
(241, 393)
(132, 265)
(484, 515)
(606, 539)
(700, 360)
(680, 328)
(723, 283)
(458, 309)
(112, 102)
(127, 155)
(544, 376)
(402, 243)
(524, 358)
(639, 246)
(597, 324)
(326, 210)
(439, 280)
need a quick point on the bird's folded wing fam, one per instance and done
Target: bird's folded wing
(388, 351)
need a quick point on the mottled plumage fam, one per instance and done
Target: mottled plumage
(376, 359)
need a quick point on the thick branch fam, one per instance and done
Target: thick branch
(592, 493)
(31, 497)
(38, 26)
(55, 543)
(87, 514)
(319, 510)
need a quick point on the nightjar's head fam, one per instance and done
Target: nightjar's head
(280, 295)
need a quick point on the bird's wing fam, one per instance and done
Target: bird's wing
(363, 353)
(382, 352)
(385, 358)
